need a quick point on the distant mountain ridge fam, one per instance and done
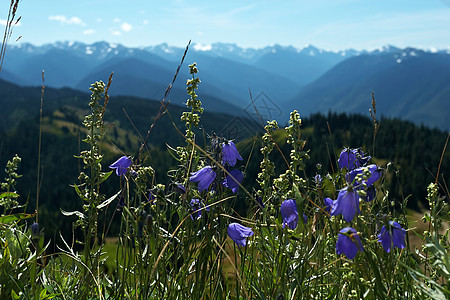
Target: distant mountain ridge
(308, 79)
(409, 84)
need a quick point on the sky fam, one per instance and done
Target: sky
(331, 25)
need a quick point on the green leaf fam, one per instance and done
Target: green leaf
(71, 213)
(9, 195)
(172, 152)
(14, 295)
(104, 176)
(108, 201)
(380, 289)
(79, 193)
(16, 217)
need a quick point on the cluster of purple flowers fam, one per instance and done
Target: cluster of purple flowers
(206, 175)
(347, 204)
(358, 177)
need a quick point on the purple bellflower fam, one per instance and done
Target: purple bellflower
(318, 180)
(230, 153)
(179, 188)
(238, 233)
(346, 204)
(121, 165)
(375, 174)
(260, 201)
(205, 176)
(197, 204)
(120, 204)
(352, 159)
(233, 183)
(35, 229)
(328, 204)
(151, 197)
(392, 237)
(289, 213)
(348, 242)
(371, 193)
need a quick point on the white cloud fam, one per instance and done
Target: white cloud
(99, 20)
(145, 22)
(89, 31)
(126, 27)
(65, 20)
(116, 32)
(116, 20)
(3, 23)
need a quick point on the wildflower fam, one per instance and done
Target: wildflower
(352, 158)
(230, 153)
(196, 204)
(375, 174)
(346, 204)
(318, 179)
(120, 204)
(289, 213)
(392, 237)
(371, 193)
(328, 204)
(35, 229)
(348, 242)
(305, 219)
(260, 201)
(179, 188)
(151, 197)
(233, 183)
(238, 233)
(205, 176)
(121, 165)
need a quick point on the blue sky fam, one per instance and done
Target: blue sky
(331, 25)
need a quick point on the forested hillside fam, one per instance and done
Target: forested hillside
(415, 151)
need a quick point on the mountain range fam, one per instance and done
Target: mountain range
(408, 83)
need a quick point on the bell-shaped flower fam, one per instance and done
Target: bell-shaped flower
(196, 205)
(289, 213)
(121, 203)
(151, 197)
(205, 176)
(393, 236)
(230, 153)
(348, 242)
(121, 165)
(232, 182)
(371, 193)
(179, 188)
(318, 180)
(346, 204)
(328, 204)
(352, 159)
(35, 229)
(375, 174)
(260, 201)
(239, 233)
